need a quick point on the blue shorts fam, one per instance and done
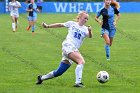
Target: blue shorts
(111, 32)
(30, 18)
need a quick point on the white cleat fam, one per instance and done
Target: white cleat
(108, 59)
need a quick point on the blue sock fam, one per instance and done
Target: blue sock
(33, 28)
(61, 69)
(107, 49)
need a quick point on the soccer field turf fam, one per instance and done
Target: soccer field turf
(23, 57)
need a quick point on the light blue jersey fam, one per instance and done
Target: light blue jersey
(34, 7)
(108, 20)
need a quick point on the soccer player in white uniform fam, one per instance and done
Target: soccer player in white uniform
(77, 31)
(13, 8)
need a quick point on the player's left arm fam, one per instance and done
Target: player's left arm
(37, 10)
(18, 5)
(116, 19)
(116, 11)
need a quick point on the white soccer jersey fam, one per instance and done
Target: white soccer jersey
(13, 8)
(76, 34)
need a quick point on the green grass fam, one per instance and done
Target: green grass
(23, 57)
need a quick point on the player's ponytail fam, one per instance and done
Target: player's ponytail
(115, 4)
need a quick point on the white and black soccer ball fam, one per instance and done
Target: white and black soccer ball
(102, 76)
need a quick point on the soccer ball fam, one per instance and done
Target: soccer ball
(102, 76)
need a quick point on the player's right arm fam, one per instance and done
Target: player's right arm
(29, 8)
(98, 20)
(55, 25)
(97, 17)
(9, 6)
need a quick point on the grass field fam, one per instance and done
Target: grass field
(23, 57)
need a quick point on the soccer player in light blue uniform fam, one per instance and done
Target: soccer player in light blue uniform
(108, 24)
(32, 9)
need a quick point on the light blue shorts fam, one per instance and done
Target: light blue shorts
(30, 18)
(111, 32)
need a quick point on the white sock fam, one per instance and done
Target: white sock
(78, 73)
(48, 76)
(13, 26)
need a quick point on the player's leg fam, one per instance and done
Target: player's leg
(13, 23)
(111, 35)
(107, 43)
(79, 60)
(107, 46)
(64, 65)
(33, 25)
(29, 23)
(111, 40)
(16, 22)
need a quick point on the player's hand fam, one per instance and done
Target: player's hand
(37, 10)
(100, 22)
(90, 31)
(89, 28)
(31, 10)
(44, 25)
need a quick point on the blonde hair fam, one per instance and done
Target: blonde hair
(80, 14)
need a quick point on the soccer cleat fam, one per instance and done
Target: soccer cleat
(33, 33)
(79, 85)
(39, 81)
(14, 30)
(108, 59)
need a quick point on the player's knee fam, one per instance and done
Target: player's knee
(61, 69)
(108, 43)
(81, 62)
